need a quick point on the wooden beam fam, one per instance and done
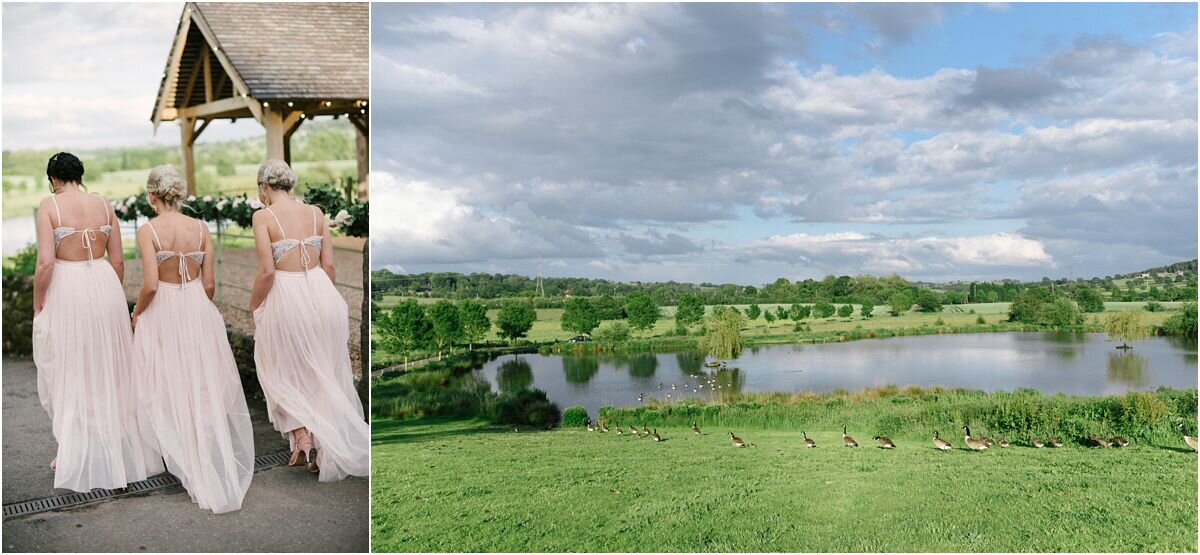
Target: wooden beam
(187, 138)
(196, 134)
(167, 86)
(187, 91)
(255, 108)
(359, 121)
(224, 106)
(291, 123)
(208, 90)
(362, 150)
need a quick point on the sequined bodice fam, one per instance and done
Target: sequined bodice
(282, 246)
(87, 234)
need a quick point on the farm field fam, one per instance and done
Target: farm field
(548, 326)
(446, 485)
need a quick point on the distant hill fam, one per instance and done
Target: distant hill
(1176, 282)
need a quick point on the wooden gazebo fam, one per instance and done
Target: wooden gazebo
(279, 63)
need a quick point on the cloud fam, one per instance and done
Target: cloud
(656, 131)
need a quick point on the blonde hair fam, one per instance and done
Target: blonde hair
(158, 173)
(277, 175)
(168, 188)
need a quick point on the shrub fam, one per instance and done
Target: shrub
(23, 262)
(528, 407)
(616, 332)
(575, 417)
(1153, 306)
(1182, 322)
(979, 320)
(18, 314)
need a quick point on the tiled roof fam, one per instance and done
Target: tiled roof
(295, 50)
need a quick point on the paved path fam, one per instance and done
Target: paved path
(286, 509)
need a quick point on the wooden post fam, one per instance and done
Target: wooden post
(273, 121)
(362, 150)
(187, 137)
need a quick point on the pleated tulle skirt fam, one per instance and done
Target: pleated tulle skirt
(193, 398)
(303, 363)
(82, 347)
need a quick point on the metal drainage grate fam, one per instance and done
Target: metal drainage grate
(160, 481)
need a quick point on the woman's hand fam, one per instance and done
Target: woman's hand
(133, 322)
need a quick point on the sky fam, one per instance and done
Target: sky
(742, 143)
(79, 76)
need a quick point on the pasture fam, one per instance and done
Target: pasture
(453, 485)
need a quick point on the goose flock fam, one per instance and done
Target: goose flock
(981, 443)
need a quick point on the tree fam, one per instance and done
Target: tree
(616, 332)
(1028, 305)
(753, 311)
(1126, 327)
(1060, 312)
(1089, 300)
(404, 329)
(641, 311)
(1183, 322)
(447, 325)
(900, 303)
(579, 316)
(799, 312)
(769, 317)
(929, 301)
(515, 320)
(867, 308)
(608, 308)
(823, 309)
(689, 310)
(475, 322)
(723, 334)
(845, 311)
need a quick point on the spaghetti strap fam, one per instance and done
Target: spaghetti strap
(200, 245)
(157, 242)
(314, 218)
(56, 212)
(281, 231)
(105, 203)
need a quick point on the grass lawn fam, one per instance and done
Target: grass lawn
(442, 485)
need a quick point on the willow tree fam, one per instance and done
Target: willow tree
(723, 334)
(1126, 327)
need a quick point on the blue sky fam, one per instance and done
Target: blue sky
(746, 142)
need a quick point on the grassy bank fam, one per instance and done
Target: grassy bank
(453, 485)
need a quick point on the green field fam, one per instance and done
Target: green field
(548, 326)
(467, 486)
(26, 191)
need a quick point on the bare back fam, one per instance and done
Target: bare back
(181, 245)
(81, 226)
(300, 223)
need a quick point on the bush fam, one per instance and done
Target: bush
(575, 417)
(1182, 322)
(617, 332)
(979, 320)
(528, 407)
(1153, 306)
(23, 262)
(18, 314)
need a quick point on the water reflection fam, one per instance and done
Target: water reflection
(1127, 368)
(1070, 363)
(641, 366)
(580, 369)
(514, 375)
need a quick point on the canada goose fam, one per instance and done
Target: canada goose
(603, 427)
(884, 442)
(1189, 440)
(695, 429)
(808, 442)
(590, 428)
(619, 432)
(737, 441)
(973, 444)
(1098, 441)
(1036, 443)
(1119, 441)
(986, 441)
(1054, 442)
(848, 441)
(655, 435)
(940, 443)
(516, 429)
(633, 431)
(645, 430)
(1001, 442)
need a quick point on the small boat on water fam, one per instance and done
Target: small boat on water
(715, 364)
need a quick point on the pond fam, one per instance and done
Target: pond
(1051, 362)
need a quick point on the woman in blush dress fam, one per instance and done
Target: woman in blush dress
(82, 342)
(301, 336)
(192, 396)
